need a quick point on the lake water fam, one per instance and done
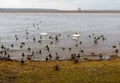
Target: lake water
(107, 24)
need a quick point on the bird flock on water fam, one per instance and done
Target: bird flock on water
(4, 54)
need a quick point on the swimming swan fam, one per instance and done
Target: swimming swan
(44, 34)
(75, 38)
(76, 35)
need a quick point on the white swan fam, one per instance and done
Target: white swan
(75, 38)
(44, 34)
(76, 35)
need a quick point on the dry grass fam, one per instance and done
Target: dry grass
(68, 72)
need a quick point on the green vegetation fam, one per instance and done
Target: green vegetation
(60, 72)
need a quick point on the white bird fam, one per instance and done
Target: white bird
(76, 35)
(75, 38)
(44, 34)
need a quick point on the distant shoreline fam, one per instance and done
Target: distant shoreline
(56, 11)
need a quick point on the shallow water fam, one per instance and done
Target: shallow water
(12, 24)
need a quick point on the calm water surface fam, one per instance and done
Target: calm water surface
(12, 24)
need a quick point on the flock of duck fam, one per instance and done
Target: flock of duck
(47, 51)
